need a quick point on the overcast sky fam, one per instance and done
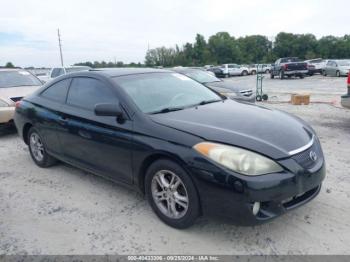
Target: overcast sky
(121, 30)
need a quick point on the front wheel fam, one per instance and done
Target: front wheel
(253, 72)
(338, 74)
(267, 71)
(37, 149)
(272, 76)
(244, 73)
(172, 194)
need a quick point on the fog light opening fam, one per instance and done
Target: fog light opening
(256, 208)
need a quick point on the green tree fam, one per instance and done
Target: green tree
(224, 48)
(9, 65)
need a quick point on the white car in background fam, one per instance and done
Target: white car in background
(259, 68)
(14, 85)
(317, 64)
(234, 70)
(58, 71)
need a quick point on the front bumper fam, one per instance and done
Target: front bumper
(6, 114)
(228, 194)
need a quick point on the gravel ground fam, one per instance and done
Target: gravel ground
(63, 210)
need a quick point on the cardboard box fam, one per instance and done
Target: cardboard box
(300, 99)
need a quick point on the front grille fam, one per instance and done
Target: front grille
(247, 93)
(304, 158)
(16, 99)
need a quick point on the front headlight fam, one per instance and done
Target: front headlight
(237, 159)
(3, 103)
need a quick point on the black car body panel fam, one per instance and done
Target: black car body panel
(122, 150)
(241, 129)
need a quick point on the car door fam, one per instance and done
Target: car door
(98, 143)
(51, 101)
(329, 68)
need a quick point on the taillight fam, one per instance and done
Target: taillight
(18, 104)
(349, 78)
(285, 66)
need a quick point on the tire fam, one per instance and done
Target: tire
(338, 74)
(258, 98)
(272, 76)
(281, 74)
(244, 73)
(324, 73)
(37, 149)
(253, 72)
(227, 76)
(301, 77)
(265, 97)
(179, 216)
(267, 71)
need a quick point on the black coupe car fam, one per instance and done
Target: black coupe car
(188, 149)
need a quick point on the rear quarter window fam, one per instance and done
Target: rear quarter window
(85, 92)
(57, 92)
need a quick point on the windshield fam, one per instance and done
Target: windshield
(201, 76)
(344, 63)
(18, 78)
(162, 92)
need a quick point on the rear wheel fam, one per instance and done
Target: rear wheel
(172, 194)
(267, 71)
(244, 73)
(338, 74)
(37, 149)
(272, 76)
(253, 72)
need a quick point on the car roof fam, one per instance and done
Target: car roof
(113, 72)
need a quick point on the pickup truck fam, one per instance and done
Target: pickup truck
(288, 66)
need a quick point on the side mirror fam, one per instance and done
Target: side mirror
(108, 110)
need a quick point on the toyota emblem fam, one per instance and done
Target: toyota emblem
(313, 155)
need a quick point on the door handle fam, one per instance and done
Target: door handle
(84, 134)
(62, 120)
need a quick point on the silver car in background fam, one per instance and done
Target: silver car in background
(14, 85)
(337, 68)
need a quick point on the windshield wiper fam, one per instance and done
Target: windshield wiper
(167, 110)
(204, 102)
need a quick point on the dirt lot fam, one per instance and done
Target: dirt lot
(63, 210)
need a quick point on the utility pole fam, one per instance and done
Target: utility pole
(60, 45)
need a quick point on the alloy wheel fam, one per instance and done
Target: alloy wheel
(169, 194)
(36, 147)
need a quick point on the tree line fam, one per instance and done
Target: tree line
(104, 64)
(223, 48)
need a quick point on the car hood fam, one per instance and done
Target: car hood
(270, 132)
(225, 85)
(18, 91)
